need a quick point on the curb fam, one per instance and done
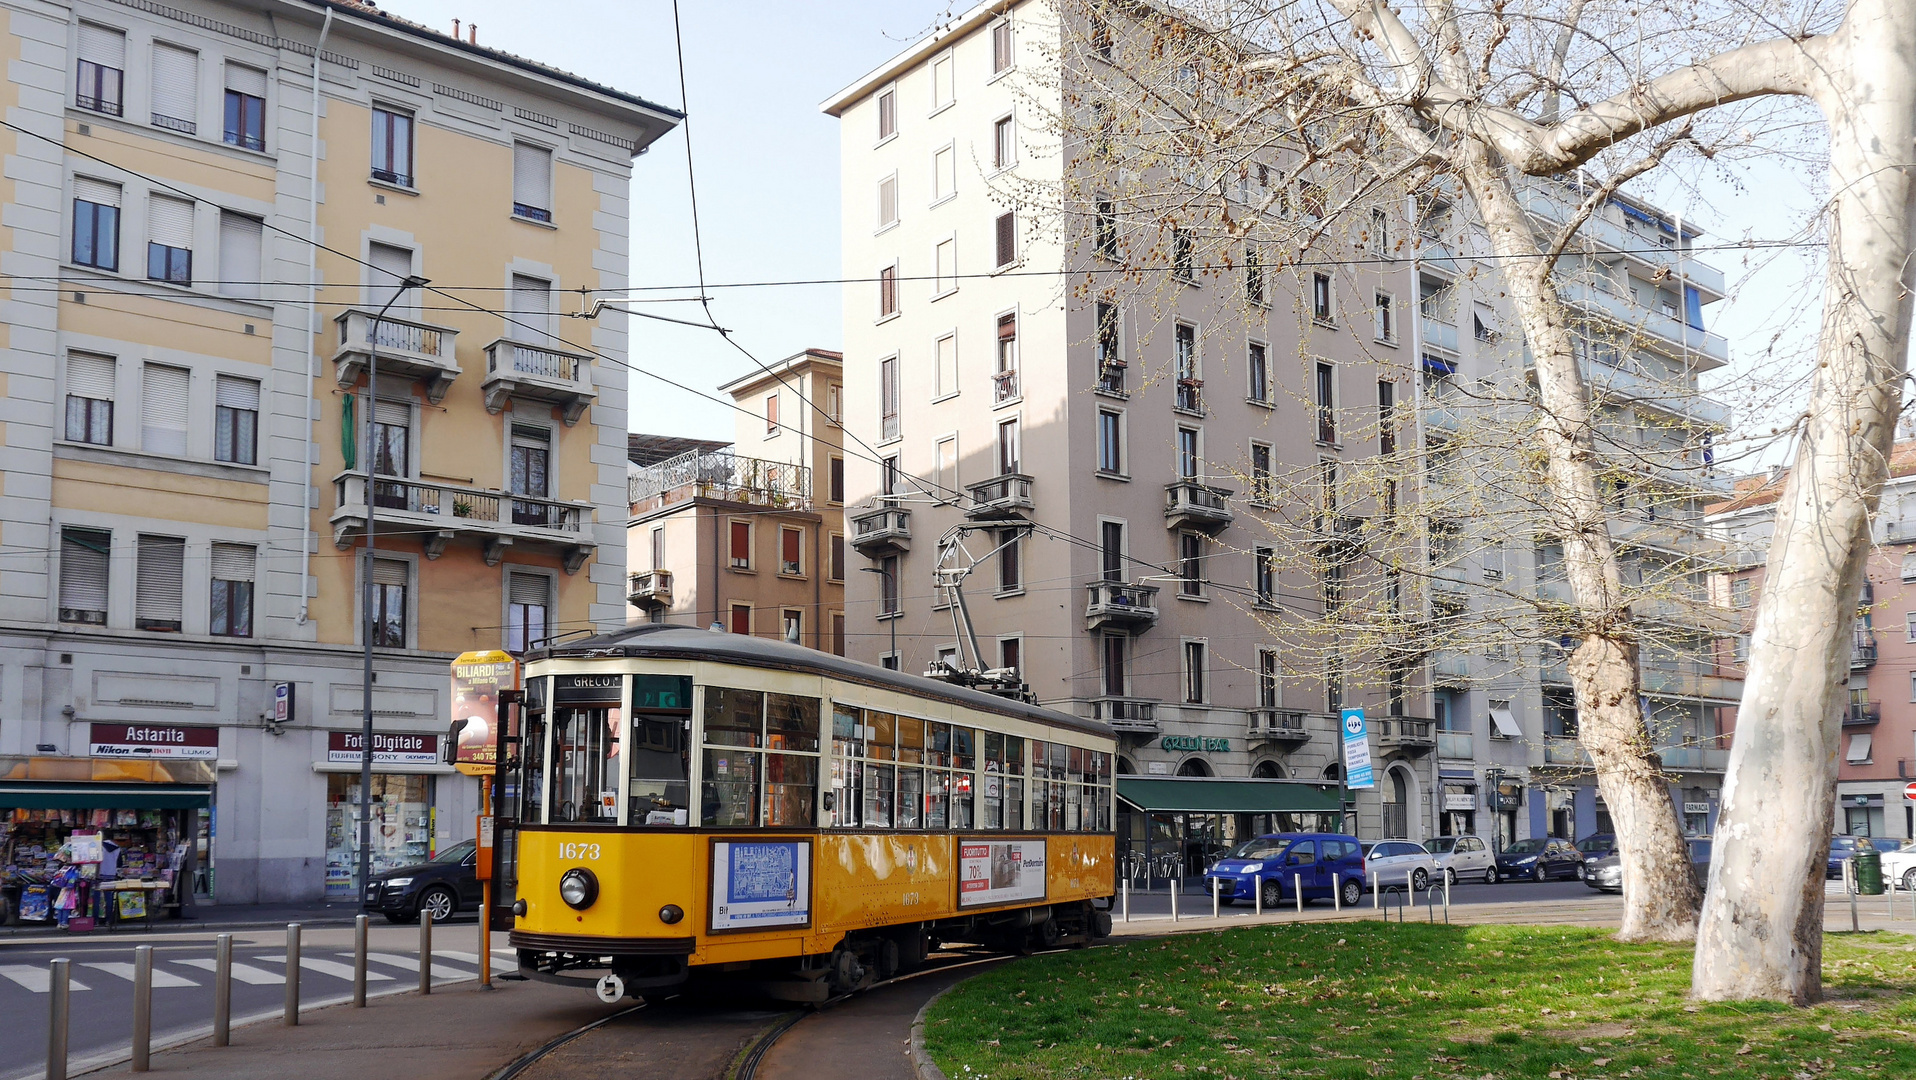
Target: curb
(921, 1062)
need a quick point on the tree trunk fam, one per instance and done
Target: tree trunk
(1762, 925)
(1659, 893)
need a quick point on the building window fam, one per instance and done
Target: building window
(163, 409)
(528, 610)
(658, 547)
(236, 420)
(1006, 376)
(1333, 685)
(1190, 564)
(532, 475)
(1181, 256)
(1009, 450)
(159, 592)
(1006, 230)
(888, 600)
(1267, 678)
(944, 267)
(836, 490)
(1326, 403)
(1188, 454)
(1110, 442)
(1117, 664)
(741, 619)
(90, 395)
(230, 611)
(1111, 550)
(531, 182)
(1312, 199)
(838, 633)
(888, 476)
(771, 414)
(1266, 570)
(1190, 388)
(888, 398)
(887, 113)
(1259, 364)
(1484, 325)
(1110, 356)
(1263, 487)
(1385, 307)
(741, 545)
(392, 146)
(239, 268)
(1253, 275)
(945, 367)
(888, 201)
(836, 571)
(1742, 589)
(791, 623)
(245, 107)
(101, 74)
(84, 561)
(169, 240)
(1321, 308)
(1194, 672)
(1010, 569)
(390, 578)
(1379, 229)
(176, 88)
(1001, 46)
(1004, 143)
(944, 479)
(1104, 230)
(888, 291)
(1011, 654)
(944, 173)
(1386, 417)
(791, 543)
(1327, 501)
(96, 224)
(942, 91)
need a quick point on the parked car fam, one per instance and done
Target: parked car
(445, 884)
(1539, 858)
(1464, 857)
(1842, 849)
(1595, 848)
(1899, 865)
(1391, 860)
(1327, 864)
(1606, 874)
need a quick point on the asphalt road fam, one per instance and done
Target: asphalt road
(102, 982)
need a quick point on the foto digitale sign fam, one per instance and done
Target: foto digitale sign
(477, 679)
(154, 741)
(389, 748)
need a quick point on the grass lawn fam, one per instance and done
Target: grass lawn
(1360, 1000)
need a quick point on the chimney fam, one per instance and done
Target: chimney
(472, 33)
(1776, 473)
(455, 29)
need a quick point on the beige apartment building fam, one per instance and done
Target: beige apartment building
(186, 477)
(750, 537)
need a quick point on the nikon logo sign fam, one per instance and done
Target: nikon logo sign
(1193, 742)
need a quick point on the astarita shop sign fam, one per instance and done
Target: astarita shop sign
(1195, 742)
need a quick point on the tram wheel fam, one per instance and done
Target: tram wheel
(887, 959)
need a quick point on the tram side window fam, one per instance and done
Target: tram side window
(734, 728)
(661, 757)
(1014, 783)
(586, 751)
(1104, 791)
(1073, 788)
(991, 800)
(881, 776)
(1060, 782)
(911, 773)
(846, 797)
(937, 775)
(532, 754)
(962, 765)
(791, 768)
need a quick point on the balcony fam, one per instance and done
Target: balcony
(1190, 397)
(881, 531)
(1121, 606)
(1438, 335)
(414, 351)
(1005, 386)
(1704, 348)
(437, 514)
(649, 589)
(721, 475)
(516, 370)
(1135, 716)
(999, 498)
(1288, 727)
(1450, 669)
(1564, 750)
(1413, 736)
(1191, 505)
(1456, 745)
(1863, 652)
(1693, 758)
(1862, 714)
(1696, 681)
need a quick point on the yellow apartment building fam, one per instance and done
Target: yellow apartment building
(193, 297)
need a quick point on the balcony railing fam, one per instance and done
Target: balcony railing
(1456, 745)
(723, 475)
(437, 513)
(999, 497)
(1412, 735)
(1134, 715)
(881, 530)
(1564, 750)
(1189, 504)
(410, 350)
(1190, 396)
(516, 369)
(1115, 603)
(1693, 758)
(1004, 386)
(1450, 668)
(1863, 714)
(1271, 724)
(1863, 653)
(649, 588)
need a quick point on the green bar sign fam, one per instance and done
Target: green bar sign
(1194, 742)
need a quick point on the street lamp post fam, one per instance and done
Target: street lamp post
(412, 281)
(891, 585)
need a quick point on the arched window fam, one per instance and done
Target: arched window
(1194, 767)
(1268, 770)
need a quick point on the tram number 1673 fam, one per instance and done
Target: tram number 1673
(578, 851)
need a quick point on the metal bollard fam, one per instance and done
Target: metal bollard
(1376, 891)
(1214, 897)
(223, 990)
(1124, 890)
(425, 951)
(1174, 901)
(1257, 883)
(1337, 893)
(1889, 895)
(1849, 882)
(359, 961)
(59, 999)
(1446, 898)
(290, 1014)
(142, 1007)
(1410, 885)
(1299, 878)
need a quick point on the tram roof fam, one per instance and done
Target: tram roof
(654, 641)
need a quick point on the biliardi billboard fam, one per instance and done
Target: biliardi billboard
(477, 679)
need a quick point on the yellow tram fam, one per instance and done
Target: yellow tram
(696, 804)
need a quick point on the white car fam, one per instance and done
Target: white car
(1390, 861)
(1464, 858)
(1900, 866)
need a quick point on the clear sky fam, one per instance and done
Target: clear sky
(767, 167)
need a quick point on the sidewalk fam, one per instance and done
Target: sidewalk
(210, 918)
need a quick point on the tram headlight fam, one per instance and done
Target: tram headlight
(578, 887)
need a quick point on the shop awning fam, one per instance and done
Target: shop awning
(55, 796)
(1210, 795)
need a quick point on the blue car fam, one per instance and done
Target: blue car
(1326, 864)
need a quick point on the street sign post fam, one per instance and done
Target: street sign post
(1356, 772)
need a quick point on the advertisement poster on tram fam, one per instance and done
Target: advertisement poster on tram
(758, 885)
(477, 678)
(1000, 871)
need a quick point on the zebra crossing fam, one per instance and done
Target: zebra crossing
(253, 970)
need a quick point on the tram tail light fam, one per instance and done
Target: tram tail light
(671, 913)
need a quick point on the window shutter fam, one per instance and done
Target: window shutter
(233, 562)
(531, 310)
(887, 200)
(236, 393)
(83, 569)
(240, 256)
(532, 176)
(533, 589)
(176, 78)
(389, 572)
(788, 543)
(163, 408)
(159, 594)
(246, 80)
(390, 266)
(169, 222)
(103, 46)
(96, 191)
(389, 412)
(90, 377)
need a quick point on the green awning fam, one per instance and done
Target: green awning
(1210, 795)
(26, 795)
